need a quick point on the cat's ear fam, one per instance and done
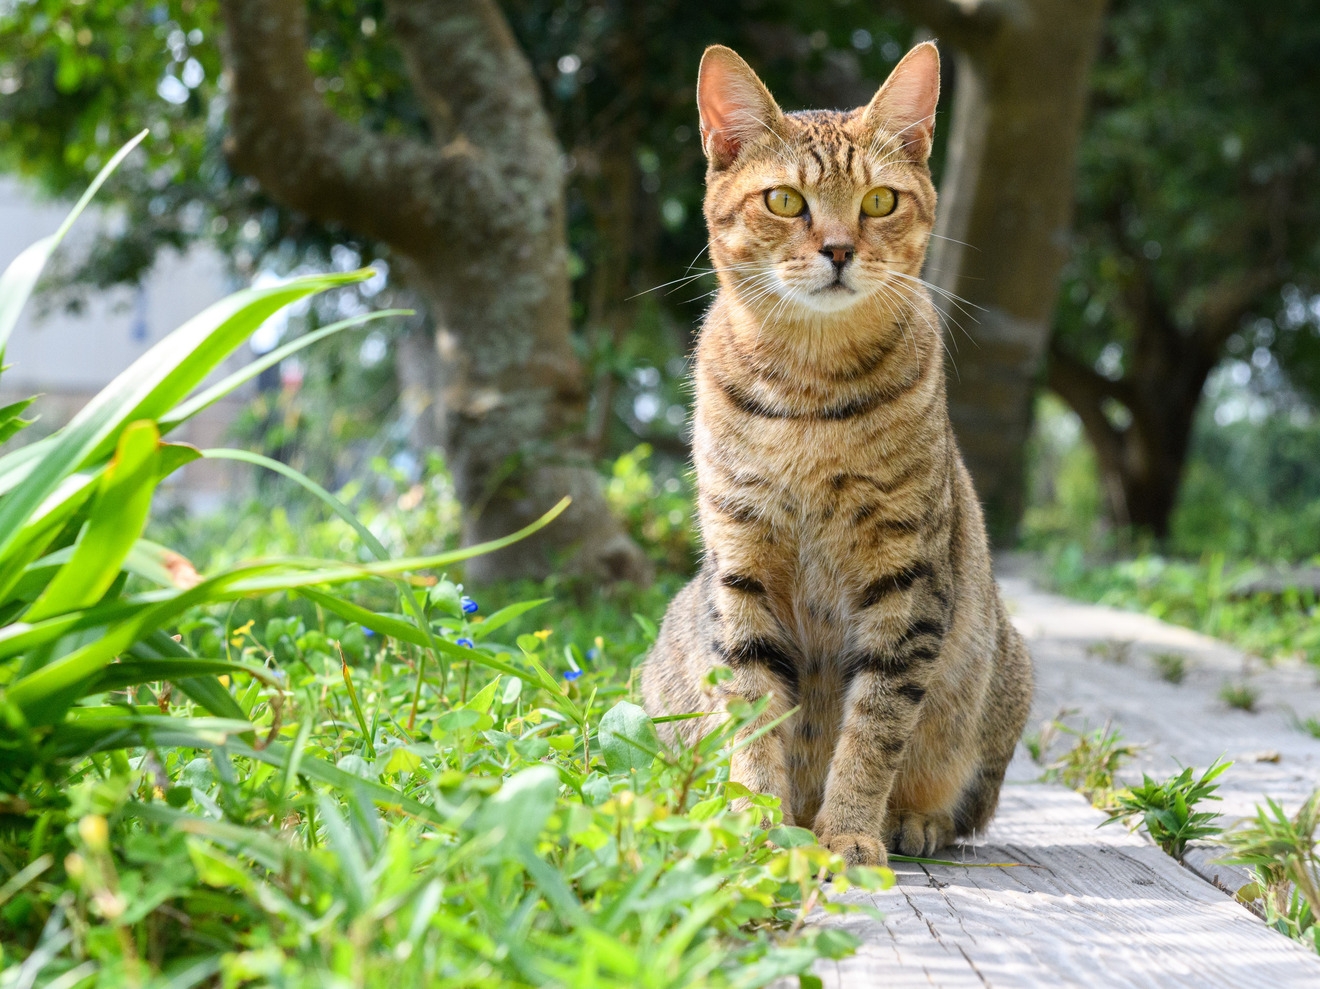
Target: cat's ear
(734, 105)
(905, 104)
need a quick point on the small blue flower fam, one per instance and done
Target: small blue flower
(593, 654)
(572, 674)
(467, 643)
(368, 632)
(470, 607)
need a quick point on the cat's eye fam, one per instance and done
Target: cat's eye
(880, 201)
(783, 201)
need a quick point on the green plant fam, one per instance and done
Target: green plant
(1171, 666)
(302, 771)
(1202, 595)
(1168, 810)
(1240, 696)
(1311, 726)
(1116, 651)
(1283, 851)
(1089, 766)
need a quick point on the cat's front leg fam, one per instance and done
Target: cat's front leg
(879, 718)
(887, 680)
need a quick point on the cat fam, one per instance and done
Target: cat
(846, 570)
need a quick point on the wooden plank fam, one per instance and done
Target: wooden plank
(1099, 908)
(1099, 664)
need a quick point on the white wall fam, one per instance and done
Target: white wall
(67, 358)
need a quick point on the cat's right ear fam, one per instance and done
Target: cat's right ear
(734, 105)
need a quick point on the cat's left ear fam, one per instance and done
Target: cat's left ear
(905, 104)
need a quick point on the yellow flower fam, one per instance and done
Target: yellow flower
(544, 634)
(95, 832)
(237, 638)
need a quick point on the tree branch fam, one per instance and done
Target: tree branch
(483, 88)
(282, 133)
(1226, 302)
(1085, 391)
(965, 24)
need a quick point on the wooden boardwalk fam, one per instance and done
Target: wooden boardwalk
(1099, 906)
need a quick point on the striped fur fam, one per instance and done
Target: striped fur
(846, 572)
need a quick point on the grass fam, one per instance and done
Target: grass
(1089, 765)
(1199, 595)
(1285, 854)
(1171, 666)
(1240, 696)
(335, 765)
(1167, 811)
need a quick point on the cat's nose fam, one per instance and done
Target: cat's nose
(839, 254)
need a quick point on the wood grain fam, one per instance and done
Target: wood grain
(1089, 908)
(1097, 906)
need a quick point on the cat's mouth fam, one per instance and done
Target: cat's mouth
(835, 286)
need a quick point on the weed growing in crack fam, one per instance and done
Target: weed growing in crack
(1171, 666)
(1089, 766)
(1239, 696)
(1283, 850)
(1168, 810)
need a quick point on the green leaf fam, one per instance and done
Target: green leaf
(502, 617)
(484, 698)
(20, 278)
(627, 739)
(786, 836)
(150, 387)
(11, 418)
(520, 809)
(225, 386)
(117, 515)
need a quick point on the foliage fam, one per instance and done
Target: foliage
(1240, 696)
(1168, 810)
(1090, 764)
(1251, 490)
(1252, 487)
(338, 794)
(1171, 666)
(1284, 852)
(617, 79)
(659, 514)
(1198, 595)
(1196, 184)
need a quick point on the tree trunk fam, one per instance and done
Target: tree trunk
(477, 215)
(1005, 211)
(1141, 424)
(1140, 427)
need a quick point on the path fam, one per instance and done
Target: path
(1105, 907)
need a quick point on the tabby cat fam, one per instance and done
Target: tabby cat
(846, 570)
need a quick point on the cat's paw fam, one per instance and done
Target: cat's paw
(856, 849)
(920, 835)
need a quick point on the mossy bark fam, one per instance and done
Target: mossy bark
(477, 215)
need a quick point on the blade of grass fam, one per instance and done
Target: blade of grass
(240, 377)
(115, 521)
(20, 278)
(357, 708)
(369, 538)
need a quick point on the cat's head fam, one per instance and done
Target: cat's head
(811, 213)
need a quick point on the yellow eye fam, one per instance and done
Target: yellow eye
(784, 201)
(880, 201)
